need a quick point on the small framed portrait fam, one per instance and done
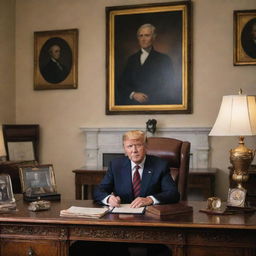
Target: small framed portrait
(56, 59)
(245, 37)
(37, 180)
(149, 59)
(6, 193)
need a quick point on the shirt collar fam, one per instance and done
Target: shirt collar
(141, 164)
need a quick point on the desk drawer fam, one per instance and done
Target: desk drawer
(29, 248)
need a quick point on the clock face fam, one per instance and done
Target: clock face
(236, 197)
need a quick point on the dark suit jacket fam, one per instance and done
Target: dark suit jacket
(154, 78)
(54, 74)
(156, 181)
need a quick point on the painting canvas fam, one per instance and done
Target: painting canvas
(148, 59)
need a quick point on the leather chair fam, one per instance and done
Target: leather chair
(177, 152)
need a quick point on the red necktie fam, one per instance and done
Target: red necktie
(136, 182)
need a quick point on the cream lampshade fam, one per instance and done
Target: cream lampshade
(2, 147)
(237, 117)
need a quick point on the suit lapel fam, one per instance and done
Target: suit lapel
(146, 176)
(127, 177)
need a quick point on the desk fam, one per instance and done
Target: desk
(45, 233)
(87, 177)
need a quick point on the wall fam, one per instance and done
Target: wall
(60, 113)
(7, 57)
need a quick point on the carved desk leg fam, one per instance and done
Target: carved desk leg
(178, 250)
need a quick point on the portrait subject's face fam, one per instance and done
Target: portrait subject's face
(135, 149)
(145, 38)
(55, 52)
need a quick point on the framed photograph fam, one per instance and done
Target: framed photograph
(149, 58)
(6, 193)
(37, 180)
(245, 37)
(21, 142)
(56, 59)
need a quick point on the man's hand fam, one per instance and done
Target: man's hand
(140, 97)
(141, 201)
(114, 201)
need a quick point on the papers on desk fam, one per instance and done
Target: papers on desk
(125, 208)
(84, 212)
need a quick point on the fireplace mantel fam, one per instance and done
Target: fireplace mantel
(109, 140)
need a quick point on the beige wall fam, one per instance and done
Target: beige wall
(7, 57)
(60, 113)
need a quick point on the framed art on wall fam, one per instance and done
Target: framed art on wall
(245, 37)
(56, 59)
(149, 58)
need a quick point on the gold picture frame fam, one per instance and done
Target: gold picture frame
(172, 46)
(245, 37)
(56, 59)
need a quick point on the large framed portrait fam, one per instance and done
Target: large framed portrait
(245, 37)
(56, 59)
(149, 58)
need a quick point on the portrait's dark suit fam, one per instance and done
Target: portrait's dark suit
(249, 46)
(156, 181)
(155, 78)
(54, 72)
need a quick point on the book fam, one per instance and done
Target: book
(169, 209)
(126, 209)
(84, 212)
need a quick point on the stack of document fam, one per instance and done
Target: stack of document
(84, 212)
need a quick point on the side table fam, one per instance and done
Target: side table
(87, 177)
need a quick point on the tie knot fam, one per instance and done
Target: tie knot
(137, 167)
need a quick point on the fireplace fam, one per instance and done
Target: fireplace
(102, 144)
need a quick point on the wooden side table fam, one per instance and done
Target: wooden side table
(87, 177)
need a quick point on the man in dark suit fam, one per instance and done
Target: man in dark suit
(54, 71)
(148, 77)
(156, 185)
(119, 186)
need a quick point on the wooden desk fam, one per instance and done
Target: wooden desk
(45, 233)
(87, 177)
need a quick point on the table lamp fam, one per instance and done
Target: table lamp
(237, 117)
(2, 147)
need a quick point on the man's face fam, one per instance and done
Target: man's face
(135, 149)
(55, 52)
(145, 38)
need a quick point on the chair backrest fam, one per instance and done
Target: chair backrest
(177, 152)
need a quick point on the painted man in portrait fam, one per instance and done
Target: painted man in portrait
(148, 77)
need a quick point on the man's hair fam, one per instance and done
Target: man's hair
(153, 29)
(135, 135)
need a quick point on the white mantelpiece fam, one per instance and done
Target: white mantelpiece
(109, 140)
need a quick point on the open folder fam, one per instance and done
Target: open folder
(126, 209)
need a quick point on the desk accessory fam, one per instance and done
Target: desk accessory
(39, 206)
(169, 209)
(237, 117)
(126, 209)
(7, 200)
(38, 182)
